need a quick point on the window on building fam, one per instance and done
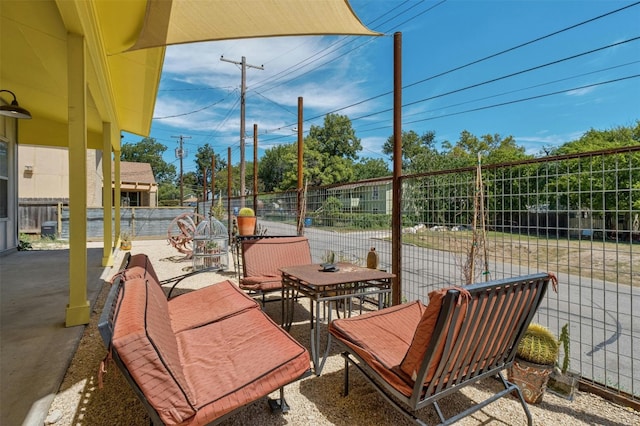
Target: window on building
(375, 193)
(130, 199)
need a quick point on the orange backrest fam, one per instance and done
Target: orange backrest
(264, 257)
(144, 340)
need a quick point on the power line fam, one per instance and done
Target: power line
(558, 92)
(463, 66)
(519, 90)
(493, 80)
(195, 111)
(306, 62)
(502, 52)
(479, 60)
(275, 103)
(529, 98)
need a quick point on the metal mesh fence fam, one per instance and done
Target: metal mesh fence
(575, 215)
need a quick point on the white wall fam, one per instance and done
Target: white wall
(43, 172)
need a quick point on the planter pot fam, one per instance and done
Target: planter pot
(246, 225)
(563, 385)
(531, 379)
(125, 245)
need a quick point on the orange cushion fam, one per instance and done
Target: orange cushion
(207, 305)
(265, 256)
(237, 360)
(382, 339)
(416, 353)
(261, 283)
(144, 340)
(140, 266)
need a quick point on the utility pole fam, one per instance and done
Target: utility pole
(181, 153)
(243, 89)
(213, 178)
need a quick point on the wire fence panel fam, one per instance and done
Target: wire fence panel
(575, 215)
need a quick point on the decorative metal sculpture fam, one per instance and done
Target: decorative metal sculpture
(182, 230)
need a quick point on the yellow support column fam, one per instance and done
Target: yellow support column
(78, 312)
(116, 193)
(107, 249)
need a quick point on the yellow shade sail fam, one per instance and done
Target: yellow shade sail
(169, 22)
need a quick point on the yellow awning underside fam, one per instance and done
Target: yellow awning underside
(125, 42)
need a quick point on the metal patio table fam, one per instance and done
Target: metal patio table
(348, 282)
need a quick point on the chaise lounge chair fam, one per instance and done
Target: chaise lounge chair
(417, 354)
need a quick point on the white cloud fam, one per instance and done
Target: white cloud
(328, 83)
(548, 140)
(581, 92)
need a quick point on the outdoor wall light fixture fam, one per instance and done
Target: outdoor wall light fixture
(14, 110)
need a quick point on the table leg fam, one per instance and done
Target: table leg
(287, 302)
(315, 337)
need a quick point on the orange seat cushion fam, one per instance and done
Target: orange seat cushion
(382, 338)
(234, 361)
(208, 304)
(263, 283)
(139, 266)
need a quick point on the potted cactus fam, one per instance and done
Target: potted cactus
(563, 382)
(246, 221)
(535, 359)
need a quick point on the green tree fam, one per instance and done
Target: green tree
(203, 162)
(148, 150)
(168, 194)
(273, 165)
(503, 150)
(322, 168)
(418, 152)
(596, 140)
(336, 138)
(190, 184)
(329, 154)
(620, 171)
(494, 149)
(369, 168)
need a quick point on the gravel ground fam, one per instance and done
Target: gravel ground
(313, 400)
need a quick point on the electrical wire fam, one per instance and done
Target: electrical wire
(197, 110)
(502, 52)
(344, 41)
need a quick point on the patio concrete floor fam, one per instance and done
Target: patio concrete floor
(35, 346)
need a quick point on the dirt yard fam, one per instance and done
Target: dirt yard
(602, 260)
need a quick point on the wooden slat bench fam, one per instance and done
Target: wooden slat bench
(417, 354)
(200, 356)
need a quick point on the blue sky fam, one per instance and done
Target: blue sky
(199, 94)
